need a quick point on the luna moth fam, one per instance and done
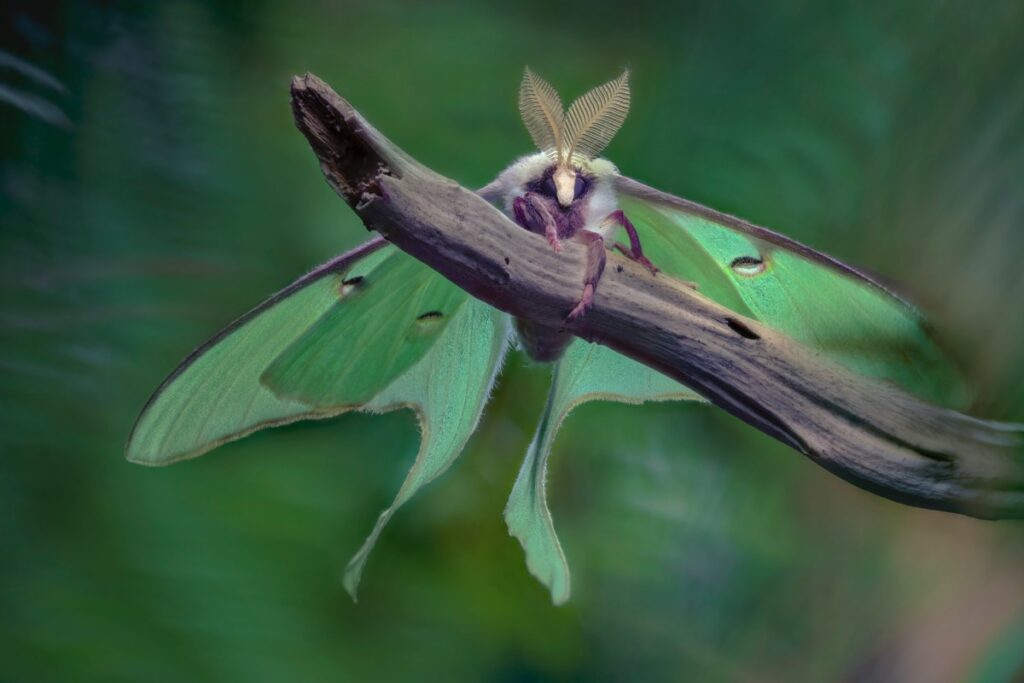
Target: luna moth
(376, 330)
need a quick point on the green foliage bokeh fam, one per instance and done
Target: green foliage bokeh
(174, 193)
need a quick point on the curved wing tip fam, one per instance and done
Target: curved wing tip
(130, 453)
(350, 580)
(137, 459)
(148, 462)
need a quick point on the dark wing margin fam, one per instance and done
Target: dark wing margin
(335, 265)
(635, 188)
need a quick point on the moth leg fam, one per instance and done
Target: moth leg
(530, 213)
(519, 208)
(595, 266)
(631, 255)
(625, 251)
(634, 251)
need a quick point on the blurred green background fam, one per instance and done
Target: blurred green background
(153, 187)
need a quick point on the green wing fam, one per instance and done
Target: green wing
(372, 330)
(814, 298)
(363, 342)
(587, 372)
(819, 301)
(215, 396)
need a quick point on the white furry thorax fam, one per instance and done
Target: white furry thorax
(600, 202)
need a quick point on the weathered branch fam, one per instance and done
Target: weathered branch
(867, 432)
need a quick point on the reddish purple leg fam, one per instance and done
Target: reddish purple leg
(634, 251)
(531, 214)
(519, 211)
(595, 266)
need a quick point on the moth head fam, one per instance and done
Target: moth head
(572, 139)
(564, 179)
(565, 185)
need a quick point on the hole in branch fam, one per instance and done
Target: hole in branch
(741, 329)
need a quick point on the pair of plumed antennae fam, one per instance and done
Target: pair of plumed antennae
(582, 131)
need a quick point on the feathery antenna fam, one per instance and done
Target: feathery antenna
(593, 119)
(542, 113)
(585, 129)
